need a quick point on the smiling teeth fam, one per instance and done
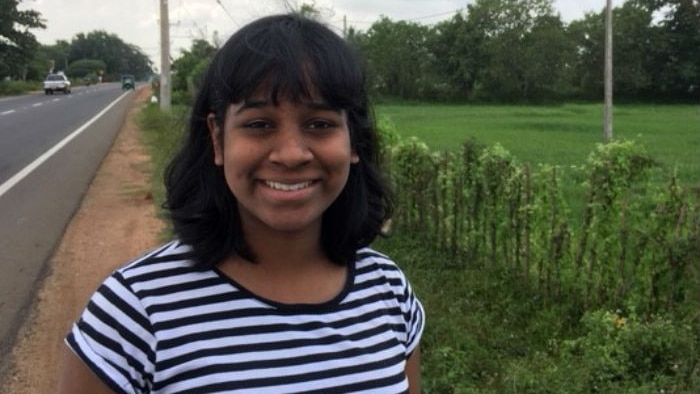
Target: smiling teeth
(287, 187)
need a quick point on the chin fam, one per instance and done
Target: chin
(291, 225)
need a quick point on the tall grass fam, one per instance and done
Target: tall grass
(488, 334)
(162, 133)
(11, 88)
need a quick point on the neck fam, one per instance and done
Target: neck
(286, 251)
(289, 268)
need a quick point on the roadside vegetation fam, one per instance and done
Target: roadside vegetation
(529, 290)
(12, 88)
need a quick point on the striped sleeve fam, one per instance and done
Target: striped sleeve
(414, 315)
(114, 338)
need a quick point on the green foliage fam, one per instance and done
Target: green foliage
(397, 58)
(85, 68)
(522, 51)
(615, 351)
(561, 135)
(189, 68)
(17, 42)
(162, 133)
(525, 49)
(118, 56)
(506, 270)
(388, 136)
(50, 57)
(8, 88)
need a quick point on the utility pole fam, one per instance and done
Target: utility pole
(608, 116)
(165, 86)
(345, 26)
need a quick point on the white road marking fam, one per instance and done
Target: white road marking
(17, 178)
(7, 112)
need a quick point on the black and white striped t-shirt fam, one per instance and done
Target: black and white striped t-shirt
(160, 325)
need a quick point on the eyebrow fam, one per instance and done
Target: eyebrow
(319, 105)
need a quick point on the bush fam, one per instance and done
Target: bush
(162, 132)
(9, 87)
(618, 351)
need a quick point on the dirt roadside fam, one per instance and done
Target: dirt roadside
(116, 222)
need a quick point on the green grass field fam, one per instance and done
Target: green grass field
(562, 135)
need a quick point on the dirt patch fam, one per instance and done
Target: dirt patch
(115, 223)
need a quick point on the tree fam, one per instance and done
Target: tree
(85, 67)
(398, 59)
(679, 66)
(309, 10)
(523, 46)
(457, 50)
(587, 35)
(55, 56)
(654, 58)
(188, 63)
(118, 56)
(635, 41)
(17, 43)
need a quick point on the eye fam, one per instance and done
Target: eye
(257, 124)
(320, 124)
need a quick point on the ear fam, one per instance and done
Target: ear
(216, 140)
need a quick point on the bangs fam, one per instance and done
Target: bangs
(289, 61)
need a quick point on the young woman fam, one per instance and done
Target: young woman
(270, 286)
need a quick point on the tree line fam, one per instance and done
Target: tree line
(491, 51)
(522, 51)
(92, 54)
(87, 55)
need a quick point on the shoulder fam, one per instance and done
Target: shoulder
(173, 253)
(159, 271)
(168, 259)
(374, 267)
(378, 274)
(368, 260)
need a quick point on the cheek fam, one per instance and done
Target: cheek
(241, 160)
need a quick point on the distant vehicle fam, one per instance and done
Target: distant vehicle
(55, 83)
(128, 82)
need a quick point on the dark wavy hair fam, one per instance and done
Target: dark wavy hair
(292, 57)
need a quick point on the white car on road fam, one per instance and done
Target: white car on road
(55, 83)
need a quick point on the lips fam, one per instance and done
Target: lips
(288, 187)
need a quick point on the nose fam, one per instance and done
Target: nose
(290, 148)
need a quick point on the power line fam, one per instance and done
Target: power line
(434, 15)
(202, 32)
(227, 13)
(411, 19)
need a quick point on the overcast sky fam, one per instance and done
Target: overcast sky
(136, 21)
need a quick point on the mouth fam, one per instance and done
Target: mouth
(288, 187)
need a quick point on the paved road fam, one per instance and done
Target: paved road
(50, 149)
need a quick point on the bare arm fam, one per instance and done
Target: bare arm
(413, 371)
(76, 378)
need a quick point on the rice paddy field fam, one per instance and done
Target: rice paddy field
(562, 135)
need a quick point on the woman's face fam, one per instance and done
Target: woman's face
(285, 163)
